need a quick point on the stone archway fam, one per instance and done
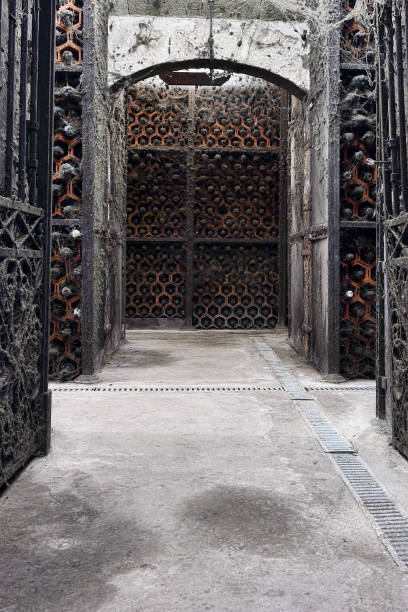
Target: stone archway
(276, 51)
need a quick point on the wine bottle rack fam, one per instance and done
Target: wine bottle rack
(358, 176)
(203, 190)
(155, 281)
(66, 271)
(234, 118)
(157, 116)
(358, 292)
(156, 194)
(236, 195)
(68, 43)
(236, 286)
(65, 339)
(358, 44)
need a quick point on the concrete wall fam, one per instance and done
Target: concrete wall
(95, 183)
(296, 226)
(116, 222)
(136, 44)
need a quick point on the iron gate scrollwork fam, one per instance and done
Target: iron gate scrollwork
(392, 25)
(26, 43)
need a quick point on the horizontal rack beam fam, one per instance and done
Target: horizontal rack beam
(396, 221)
(199, 240)
(357, 66)
(67, 222)
(358, 224)
(16, 253)
(198, 149)
(21, 206)
(59, 67)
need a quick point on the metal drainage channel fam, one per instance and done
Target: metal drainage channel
(192, 388)
(390, 522)
(170, 388)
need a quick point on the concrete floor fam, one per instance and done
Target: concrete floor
(224, 501)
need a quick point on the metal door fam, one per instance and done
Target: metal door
(206, 243)
(392, 350)
(26, 43)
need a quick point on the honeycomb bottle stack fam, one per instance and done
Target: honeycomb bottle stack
(66, 274)
(203, 205)
(358, 199)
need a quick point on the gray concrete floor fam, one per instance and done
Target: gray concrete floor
(197, 501)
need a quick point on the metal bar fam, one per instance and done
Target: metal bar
(136, 239)
(333, 218)
(382, 101)
(124, 221)
(401, 106)
(381, 204)
(11, 84)
(393, 143)
(66, 222)
(166, 149)
(45, 102)
(396, 221)
(22, 206)
(190, 211)
(358, 224)
(88, 286)
(199, 240)
(23, 104)
(32, 126)
(283, 213)
(14, 253)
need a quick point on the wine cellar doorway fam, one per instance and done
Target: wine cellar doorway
(206, 205)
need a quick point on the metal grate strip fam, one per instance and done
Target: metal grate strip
(390, 522)
(343, 388)
(166, 388)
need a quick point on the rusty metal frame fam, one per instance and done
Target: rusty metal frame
(333, 217)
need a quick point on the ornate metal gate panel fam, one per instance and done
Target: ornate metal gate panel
(204, 214)
(26, 43)
(392, 22)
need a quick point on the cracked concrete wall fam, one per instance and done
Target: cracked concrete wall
(116, 220)
(95, 183)
(296, 226)
(136, 44)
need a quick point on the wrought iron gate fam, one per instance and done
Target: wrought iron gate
(392, 26)
(26, 46)
(206, 209)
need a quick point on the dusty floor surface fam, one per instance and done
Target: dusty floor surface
(224, 501)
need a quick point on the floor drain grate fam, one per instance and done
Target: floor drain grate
(391, 522)
(330, 440)
(165, 388)
(343, 388)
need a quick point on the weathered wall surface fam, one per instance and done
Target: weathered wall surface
(95, 184)
(116, 223)
(137, 44)
(296, 227)
(248, 9)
